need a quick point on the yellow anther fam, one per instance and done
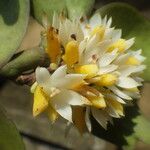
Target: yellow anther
(53, 46)
(91, 70)
(132, 61)
(52, 114)
(107, 80)
(99, 30)
(71, 53)
(97, 101)
(117, 106)
(120, 44)
(40, 101)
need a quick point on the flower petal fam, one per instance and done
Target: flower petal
(87, 119)
(119, 93)
(42, 75)
(100, 116)
(64, 109)
(126, 82)
(107, 58)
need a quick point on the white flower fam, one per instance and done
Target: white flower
(57, 92)
(101, 72)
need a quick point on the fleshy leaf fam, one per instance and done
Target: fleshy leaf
(74, 8)
(13, 22)
(132, 24)
(9, 136)
(24, 61)
(46, 8)
(142, 129)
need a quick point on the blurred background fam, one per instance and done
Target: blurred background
(37, 133)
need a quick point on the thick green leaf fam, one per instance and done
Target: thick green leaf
(9, 136)
(47, 7)
(133, 25)
(77, 8)
(26, 60)
(74, 8)
(14, 16)
(142, 129)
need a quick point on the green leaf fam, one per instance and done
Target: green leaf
(9, 136)
(26, 60)
(14, 16)
(74, 8)
(142, 129)
(132, 24)
(77, 8)
(47, 7)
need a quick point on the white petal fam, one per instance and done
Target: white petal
(112, 112)
(109, 22)
(107, 69)
(100, 116)
(122, 59)
(128, 70)
(61, 106)
(95, 20)
(107, 58)
(116, 35)
(120, 93)
(70, 81)
(59, 73)
(134, 95)
(55, 22)
(127, 82)
(104, 20)
(87, 119)
(92, 42)
(42, 75)
(114, 97)
(129, 43)
(73, 98)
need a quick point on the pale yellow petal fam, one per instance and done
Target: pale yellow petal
(52, 114)
(91, 70)
(71, 53)
(40, 101)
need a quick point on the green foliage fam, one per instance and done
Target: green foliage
(47, 7)
(26, 60)
(14, 16)
(9, 136)
(77, 8)
(132, 24)
(74, 8)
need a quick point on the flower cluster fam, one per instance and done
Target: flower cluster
(93, 71)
